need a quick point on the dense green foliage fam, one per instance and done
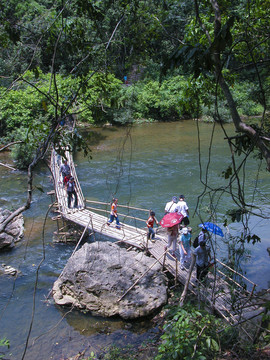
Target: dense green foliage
(3, 343)
(62, 59)
(72, 39)
(190, 334)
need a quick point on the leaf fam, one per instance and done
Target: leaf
(39, 188)
(214, 345)
(227, 173)
(44, 105)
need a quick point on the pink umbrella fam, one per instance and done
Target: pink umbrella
(171, 219)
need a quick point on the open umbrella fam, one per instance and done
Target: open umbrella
(171, 219)
(213, 228)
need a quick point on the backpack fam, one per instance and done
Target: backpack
(196, 242)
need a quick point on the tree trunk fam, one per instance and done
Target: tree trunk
(238, 123)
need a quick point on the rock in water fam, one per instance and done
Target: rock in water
(98, 274)
(13, 232)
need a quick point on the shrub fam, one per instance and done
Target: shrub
(3, 343)
(22, 154)
(190, 334)
(247, 98)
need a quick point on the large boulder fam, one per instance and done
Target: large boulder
(98, 274)
(13, 232)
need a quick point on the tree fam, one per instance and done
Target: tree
(222, 41)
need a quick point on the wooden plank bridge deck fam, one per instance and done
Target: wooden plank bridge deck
(217, 292)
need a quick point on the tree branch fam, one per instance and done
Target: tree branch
(238, 123)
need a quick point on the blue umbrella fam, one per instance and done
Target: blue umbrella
(213, 228)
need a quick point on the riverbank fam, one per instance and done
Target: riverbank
(231, 349)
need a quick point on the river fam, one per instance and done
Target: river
(144, 166)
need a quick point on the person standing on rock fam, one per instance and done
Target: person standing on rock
(113, 214)
(150, 225)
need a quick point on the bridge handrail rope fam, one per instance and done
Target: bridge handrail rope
(55, 177)
(237, 273)
(118, 205)
(74, 174)
(108, 211)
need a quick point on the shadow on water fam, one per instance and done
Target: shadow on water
(143, 167)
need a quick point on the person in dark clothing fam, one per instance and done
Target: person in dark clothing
(203, 257)
(71, 191)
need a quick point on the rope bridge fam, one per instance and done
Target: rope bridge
(225, 289)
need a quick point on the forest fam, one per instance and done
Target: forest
(123, 62)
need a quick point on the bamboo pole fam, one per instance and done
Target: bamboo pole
(235, 282)
(8, 166)
(237, 273)
(163, 264)
(184, 293)
(176, 271)
(136, 282)
(124, 206)
(146, 247)
(81, 237)
(127, 216)
(252, 291)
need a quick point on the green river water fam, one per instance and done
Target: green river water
(144, 167)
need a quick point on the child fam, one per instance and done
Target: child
(150, 224)
(113, 214)
(66, 180)
(185, 247)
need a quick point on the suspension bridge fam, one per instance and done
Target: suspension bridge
(228, 293)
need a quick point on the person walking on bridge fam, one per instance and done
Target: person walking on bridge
(172, 232)
(150, 225)
(185, 247)
(64, 169)
(203, 257)
(171, 206)
(182, 208)
(113, 214)
(71, 191)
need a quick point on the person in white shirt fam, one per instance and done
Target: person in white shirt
(182, 208)
(171, 206)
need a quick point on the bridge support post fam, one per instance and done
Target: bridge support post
(164, 259)
(176, 271)
(184, 293)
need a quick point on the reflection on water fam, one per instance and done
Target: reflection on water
(144, 167)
